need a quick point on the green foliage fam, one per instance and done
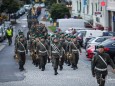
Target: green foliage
(52, 28)
(9, 6)
(59, 11)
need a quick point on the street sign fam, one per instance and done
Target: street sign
(103, 3)
(113, 18)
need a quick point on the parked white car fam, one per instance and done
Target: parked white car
(97, 40)
(2, 33)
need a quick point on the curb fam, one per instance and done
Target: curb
(2, 47)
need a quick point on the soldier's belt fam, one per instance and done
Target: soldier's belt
(21, 50)
(54, 52)
(74, 50)
(42, 51)
(99, 69)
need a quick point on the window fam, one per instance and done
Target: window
(107, 42)
(100, 40)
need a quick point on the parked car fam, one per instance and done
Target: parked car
(109, 34)
(2, 33)
(27, 7)
(86, 41)
(7, 24)
(97, 40)
(22, 11)
(83, 34)
(42, 5)
(109, 47)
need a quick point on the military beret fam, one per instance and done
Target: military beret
(42, 37)
(100, 46)
(53, 35)
(21, 37)
(61, 33)
(20, 33)
(48, 34)
(74, 36)
(55, 31)
(68, 36)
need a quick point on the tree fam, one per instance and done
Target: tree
(59, 11)
(9, 6)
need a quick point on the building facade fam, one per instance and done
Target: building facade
(94, 10)
(111, 14)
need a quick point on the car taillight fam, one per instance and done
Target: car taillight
(106, 49)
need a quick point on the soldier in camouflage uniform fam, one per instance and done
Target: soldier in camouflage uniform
(22, 50)
(56, 54)
(48, 40)
(63, 43)
(42, 52)
(75, 49)
(68, 52)
(99, 65)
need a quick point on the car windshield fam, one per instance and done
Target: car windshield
(82, 33)
(108, 41)
(91, 39)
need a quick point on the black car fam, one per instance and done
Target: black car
(109, 45)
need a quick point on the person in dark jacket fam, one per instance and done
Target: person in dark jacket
(22, 50)
(99, 65)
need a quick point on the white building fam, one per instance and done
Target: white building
(92, 10)
(111, 14)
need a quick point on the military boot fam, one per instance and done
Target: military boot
(55, 71)
(61, 67)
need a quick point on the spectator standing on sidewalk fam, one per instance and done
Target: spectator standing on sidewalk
(9, 35)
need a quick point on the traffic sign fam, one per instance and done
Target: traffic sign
(103, 3)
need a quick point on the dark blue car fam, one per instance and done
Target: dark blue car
(109, 45)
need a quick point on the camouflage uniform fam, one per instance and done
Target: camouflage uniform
(22, 50)
(42, 48)
(56, 54)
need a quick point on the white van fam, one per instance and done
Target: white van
(65, 24)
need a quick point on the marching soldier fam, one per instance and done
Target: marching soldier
(68, 52)
(75, 49)
(62, 42)
(55, 54)
(42, 52)
(99, 65)
(22, 50)
(48, 40)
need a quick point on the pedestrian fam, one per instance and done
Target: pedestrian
(51, 20)
(9, 35)
(99, 65)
